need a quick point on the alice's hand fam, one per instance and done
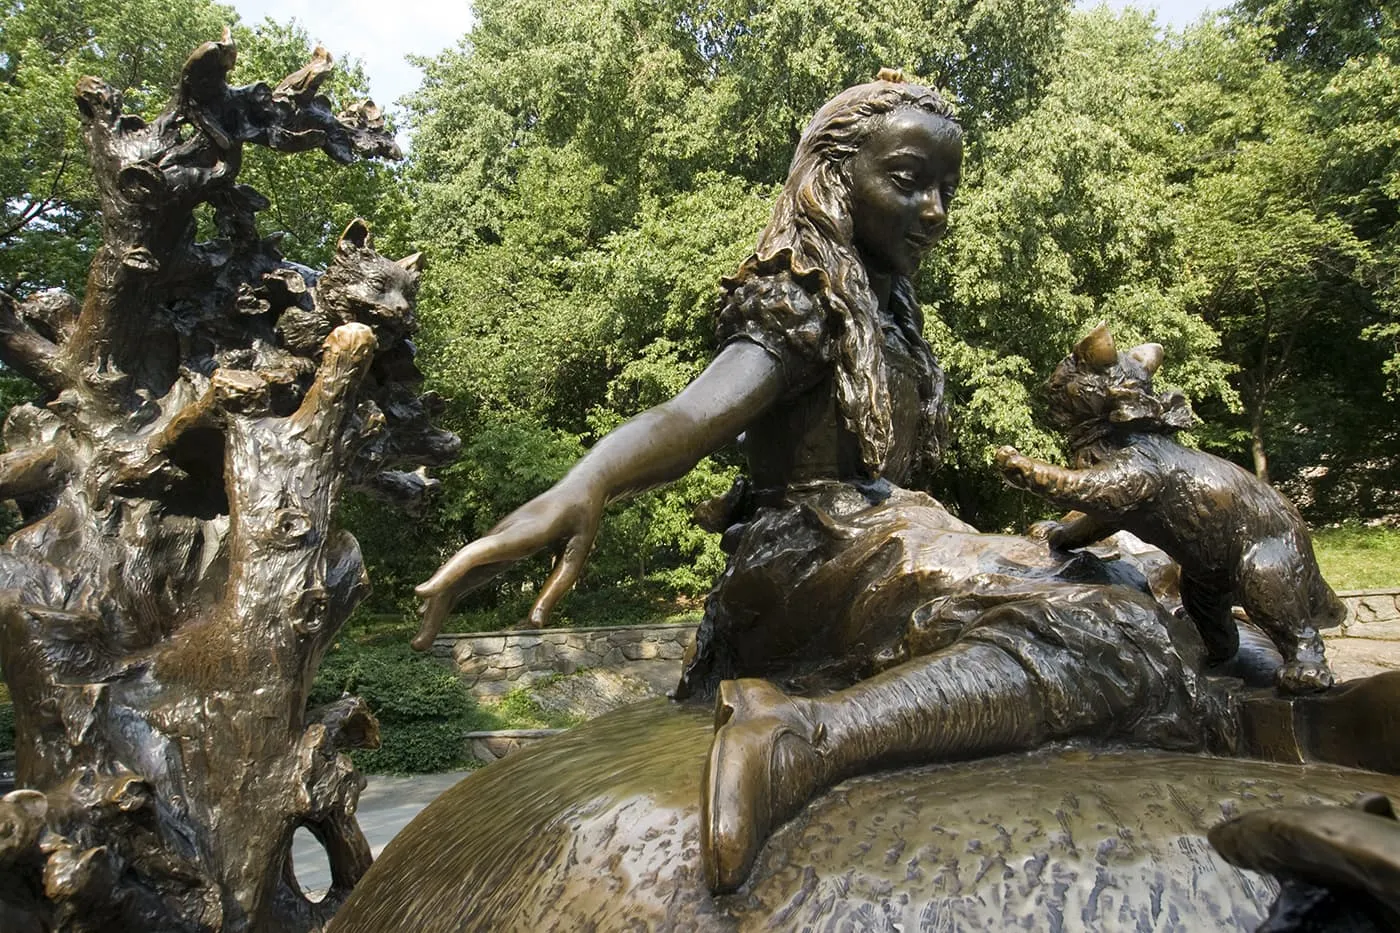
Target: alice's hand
(566, 516)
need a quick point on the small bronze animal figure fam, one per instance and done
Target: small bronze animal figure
(1238, 541)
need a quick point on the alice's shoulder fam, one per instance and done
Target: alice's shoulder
(777, 278)
(775, 301)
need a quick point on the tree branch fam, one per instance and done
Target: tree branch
(22, 348)
(38, 208)
(349, 351)
(30, 470)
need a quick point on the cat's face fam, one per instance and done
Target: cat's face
(361, 285)
(1097, 383)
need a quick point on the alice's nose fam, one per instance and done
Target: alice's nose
(932, 210)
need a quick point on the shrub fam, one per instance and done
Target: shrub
(423, 708)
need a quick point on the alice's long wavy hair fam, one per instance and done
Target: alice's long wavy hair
(812, 224)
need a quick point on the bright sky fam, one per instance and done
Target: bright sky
(381, 33)
(377, 32)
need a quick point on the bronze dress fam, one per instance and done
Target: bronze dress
(836, 574)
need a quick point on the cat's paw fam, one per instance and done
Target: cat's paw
(1016, 468)
(1303, 677)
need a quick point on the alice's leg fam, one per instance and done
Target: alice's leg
(772, 752)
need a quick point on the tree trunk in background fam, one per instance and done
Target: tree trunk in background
(1256, 443)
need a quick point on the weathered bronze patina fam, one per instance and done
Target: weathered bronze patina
(859, 625)
(599, 829)
(1339, 867)
(179, 574)
(1237, 541)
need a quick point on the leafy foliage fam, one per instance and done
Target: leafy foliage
(1066, 217)
(48, 225)
(582, 174)
(589, 172)
(422, 706)
(585, 173)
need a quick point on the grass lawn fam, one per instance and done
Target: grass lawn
(1357, 557)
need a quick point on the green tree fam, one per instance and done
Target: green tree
(47, 228)
(1066, 217)
(1199, 190)
(1267, 259)
(1287, 160)
(1318, 36)
(585, 173)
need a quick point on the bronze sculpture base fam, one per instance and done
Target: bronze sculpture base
(598, 829)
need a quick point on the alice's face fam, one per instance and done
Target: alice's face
(902, 179)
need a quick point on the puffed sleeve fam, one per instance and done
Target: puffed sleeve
(780, 310)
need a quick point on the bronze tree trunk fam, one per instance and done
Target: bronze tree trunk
(179, 574)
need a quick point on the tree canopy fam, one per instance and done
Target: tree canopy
(582, 174)
(47, 204)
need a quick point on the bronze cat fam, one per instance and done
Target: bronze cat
(360, 286)
(1237, 540)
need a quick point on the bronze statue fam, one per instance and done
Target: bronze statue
(899, 633)
(180, 574)
(598, 829)
(1235, 538)
(1338, 867)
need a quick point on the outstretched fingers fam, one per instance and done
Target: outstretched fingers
(435, 610)
(567, 569)
(470, 567)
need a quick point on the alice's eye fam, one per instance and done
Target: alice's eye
(904, 180)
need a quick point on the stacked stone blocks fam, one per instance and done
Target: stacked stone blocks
(497, 661)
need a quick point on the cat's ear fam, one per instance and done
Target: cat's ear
(412, 263)
(1149, 355)
(356, 235)
(1097, 350)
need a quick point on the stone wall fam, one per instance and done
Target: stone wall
(494, 662)
(1368, 642)
(1366, 606)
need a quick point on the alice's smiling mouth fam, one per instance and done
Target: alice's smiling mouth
(922, 241)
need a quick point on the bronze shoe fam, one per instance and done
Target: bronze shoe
(763, 766)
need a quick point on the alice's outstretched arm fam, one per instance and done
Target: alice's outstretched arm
(657, 446)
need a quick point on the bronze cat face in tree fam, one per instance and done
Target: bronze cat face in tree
(1237, 540)
(369, 288)
(361, 287)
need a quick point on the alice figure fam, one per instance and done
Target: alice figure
(858, 624)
